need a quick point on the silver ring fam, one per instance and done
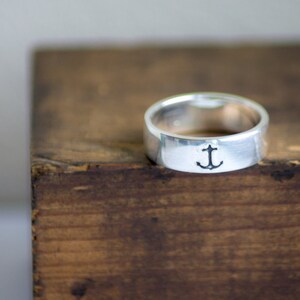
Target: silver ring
(206, 132)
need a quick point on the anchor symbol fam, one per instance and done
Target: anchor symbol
(210, 165)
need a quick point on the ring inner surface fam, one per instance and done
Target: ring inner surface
(205, 118)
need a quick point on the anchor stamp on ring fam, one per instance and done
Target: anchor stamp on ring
(210, 164)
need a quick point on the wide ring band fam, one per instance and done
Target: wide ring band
(177, 132)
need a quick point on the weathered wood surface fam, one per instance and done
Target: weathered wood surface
(107, 224)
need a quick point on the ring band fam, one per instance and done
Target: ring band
(206, 132)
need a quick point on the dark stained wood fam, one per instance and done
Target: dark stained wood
(108, 224)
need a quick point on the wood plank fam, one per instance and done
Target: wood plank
(108, 224)
(195, 237)
(89, 105)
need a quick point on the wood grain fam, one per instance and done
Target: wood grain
(107, 224)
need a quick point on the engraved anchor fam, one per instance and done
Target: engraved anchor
(210, 165)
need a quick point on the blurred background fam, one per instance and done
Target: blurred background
(27, 25)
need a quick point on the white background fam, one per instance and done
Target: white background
(25, 25)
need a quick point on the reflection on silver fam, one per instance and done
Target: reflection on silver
(205, 132)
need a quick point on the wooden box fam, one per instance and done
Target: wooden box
(108, 224)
